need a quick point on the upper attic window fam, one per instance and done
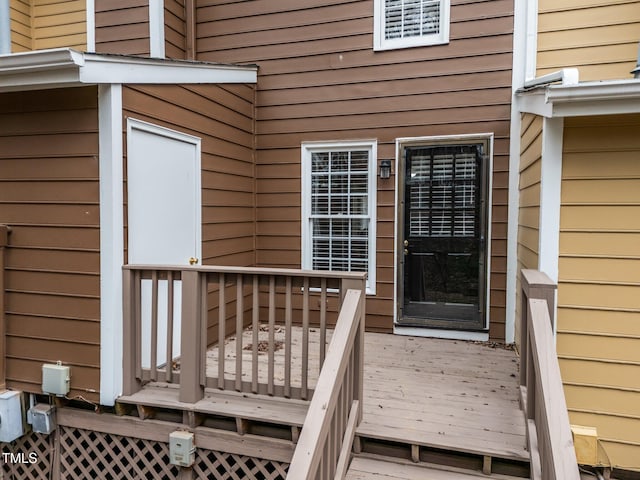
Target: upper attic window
(410, 23)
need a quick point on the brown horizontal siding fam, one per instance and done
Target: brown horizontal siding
(123, 27)
(20, 21)
(320, 79)
(49, 194)
(599, 38)
(599, 275)
(175, 29)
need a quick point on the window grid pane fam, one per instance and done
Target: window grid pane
(411, 18)
(340, 210)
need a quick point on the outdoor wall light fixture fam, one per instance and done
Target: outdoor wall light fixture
(385, 168)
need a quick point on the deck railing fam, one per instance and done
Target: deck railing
(173, 314)
(326, 439)
(548, 432)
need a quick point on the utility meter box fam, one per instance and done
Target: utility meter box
(56, 379)
(42, 418)
(182, 448)
(11, 416)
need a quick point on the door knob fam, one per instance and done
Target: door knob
(406, 243)
(406, 251)
(193, 261)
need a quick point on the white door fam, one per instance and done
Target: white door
(164, 216)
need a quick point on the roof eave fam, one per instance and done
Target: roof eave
(66, 67)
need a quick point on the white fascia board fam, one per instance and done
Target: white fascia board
(66, 67)
(111, 69)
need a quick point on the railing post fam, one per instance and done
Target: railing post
(358, 384)
(4, 234)
(131, 347)
(538, 285)
(191, 361)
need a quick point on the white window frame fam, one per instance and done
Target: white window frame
(380, 43)
(308, 148)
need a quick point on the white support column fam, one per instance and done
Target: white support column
(550, 191)
(111, 241)
(551, 175)
(156, 28)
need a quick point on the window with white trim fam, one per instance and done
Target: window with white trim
(339, 208)
(410, 23)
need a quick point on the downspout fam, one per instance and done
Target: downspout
(5, 27)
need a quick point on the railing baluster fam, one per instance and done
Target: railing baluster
(222, 319)
(287, 340)
(131, 360)
(239, 328)
(272, 332)
(255, 324)
(204, 325)
(168, 370)
(323, 321)
(137, 306)
(154, 326)
(305, 340)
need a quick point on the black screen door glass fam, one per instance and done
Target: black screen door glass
(442, 236)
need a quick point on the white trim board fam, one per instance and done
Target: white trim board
(111, 241)
(156, 28)
(91, 25)
(66, 67)
(427, 141)
(436, 333)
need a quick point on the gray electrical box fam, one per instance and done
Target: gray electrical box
(42, 418)
(181, 448)
(56, 379)
(11, 416)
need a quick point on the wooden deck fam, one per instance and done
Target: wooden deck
(425, 400)
(445, 394)
(375, 469)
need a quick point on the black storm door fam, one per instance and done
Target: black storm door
(443, 244)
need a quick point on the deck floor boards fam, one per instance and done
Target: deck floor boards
(372, 469)
(449, 394)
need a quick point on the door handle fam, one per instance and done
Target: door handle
(406, 243)
(406, 251)
(193, 261)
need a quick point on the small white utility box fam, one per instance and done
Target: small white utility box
(42, 418)
(56, 379)
(10, 416)
(181, 448)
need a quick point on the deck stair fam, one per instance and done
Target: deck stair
(371, 468)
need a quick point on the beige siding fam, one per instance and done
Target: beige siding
(21, 33)
(320, 79)
(122, 26)
(599, 278)
(529, 209)
(59, 24)
(49, 195)
(175, 29)
(597, 36)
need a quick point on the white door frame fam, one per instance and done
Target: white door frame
(431, 332)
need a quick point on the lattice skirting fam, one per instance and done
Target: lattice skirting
(86, 454)
(225, 466)
(29, 457)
